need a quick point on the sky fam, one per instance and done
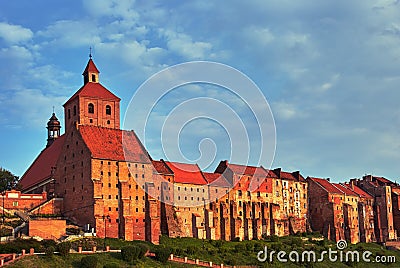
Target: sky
(328, 69)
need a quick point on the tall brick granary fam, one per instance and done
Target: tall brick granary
(100, 176)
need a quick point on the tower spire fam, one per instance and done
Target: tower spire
(53, 129)
(91, 73)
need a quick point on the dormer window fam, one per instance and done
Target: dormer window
(91, 108)
(108, 110)
(93, 78)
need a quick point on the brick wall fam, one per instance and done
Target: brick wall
(47, 228)
(15, 200)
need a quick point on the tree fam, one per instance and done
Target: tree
(7, 180)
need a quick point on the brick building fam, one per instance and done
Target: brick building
(97, 174)
(12, 201)
(381, 190)
(264, 202)
(98, 170)
(341, 211)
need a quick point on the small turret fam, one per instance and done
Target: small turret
(53, 129)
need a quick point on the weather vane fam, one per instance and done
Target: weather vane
(90, 52)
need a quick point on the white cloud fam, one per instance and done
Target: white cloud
(29, 108)
(67, 34)
(258, 36)
(112, 8)
(286, 111)
(183, 44)
(15, 34)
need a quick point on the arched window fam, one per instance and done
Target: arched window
(74, 109)
(108, 109)
(69, 113)
(91, 108)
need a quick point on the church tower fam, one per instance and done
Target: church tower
(92, 104)
(53, 129)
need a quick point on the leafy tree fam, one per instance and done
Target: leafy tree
(64, 248)
(133, 252)
(162, 254)
(49, 251)
(89, 261)
(7, 180)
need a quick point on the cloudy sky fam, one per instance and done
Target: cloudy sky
(329, 70)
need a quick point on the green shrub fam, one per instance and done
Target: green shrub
(111, 265)
(217, 243)
(133, 252)
(64, 248)
(191, 250)
(49, 251)
(162, 254)
(178, 251)
(89, 261)
(240, 248)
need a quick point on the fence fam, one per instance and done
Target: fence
(9, 258)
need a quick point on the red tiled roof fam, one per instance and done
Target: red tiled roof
(94, 90)
(40, 169)
(359, 191)
(287, 176)
(396, 190)
(187, 173)
(271, 174)
(344, 189)
(91, 67)
(382, 179)
(114, 144)
(161, 167)
(329, 187)
(248, 170)
(216, 179)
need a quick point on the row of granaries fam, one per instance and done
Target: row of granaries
(235, 202)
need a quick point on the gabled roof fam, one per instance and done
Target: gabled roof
(41, 168)
(90, 67)
(329, 187)
(216, 179)
(113, 144)
(359, 191)
(382, 179)
(248, 170)
(187, 173)
(94, 90)
(287, 176)
(162, 168)
(291, 176)
(345, 189)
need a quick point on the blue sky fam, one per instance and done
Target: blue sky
(329, 70)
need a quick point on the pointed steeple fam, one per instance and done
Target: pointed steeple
(53, 129)
(91, 73)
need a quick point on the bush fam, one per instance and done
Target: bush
(162, 254)
(49, 251)
(240, 248)
(89, 261)
(191, 250)
(64, 248)
(133, 252)
(111, 265)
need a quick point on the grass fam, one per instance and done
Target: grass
(73, 261)
(217, 251)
